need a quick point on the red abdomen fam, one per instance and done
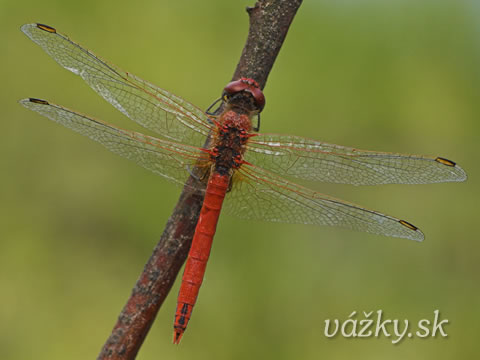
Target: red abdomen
(199, 252)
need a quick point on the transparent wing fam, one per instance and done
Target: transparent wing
(156, 109)
(168, 159)
(260, 195)
(313, 160)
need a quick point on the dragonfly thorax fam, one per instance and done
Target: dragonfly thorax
(230, 139)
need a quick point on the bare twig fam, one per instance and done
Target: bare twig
(269, 23)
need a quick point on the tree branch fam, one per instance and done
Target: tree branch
(269, 23)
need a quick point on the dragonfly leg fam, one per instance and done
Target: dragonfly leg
(257, 128)
(198, 174)
(209, 112)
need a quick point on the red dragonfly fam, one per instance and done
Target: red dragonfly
(240, 165)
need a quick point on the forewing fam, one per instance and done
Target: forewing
(168, 159)
(261, 195)
(313, 160)
(156, 109)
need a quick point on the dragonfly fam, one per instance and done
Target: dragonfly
(244, 171)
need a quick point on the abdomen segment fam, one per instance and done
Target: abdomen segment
(199, 252)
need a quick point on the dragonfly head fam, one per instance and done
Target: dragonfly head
(246, 85)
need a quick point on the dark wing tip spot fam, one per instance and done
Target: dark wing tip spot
(417, 235)
(38, 101)
(46, 28)
(445, 161)
(408, 225)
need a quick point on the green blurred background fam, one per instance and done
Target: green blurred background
(77, 223)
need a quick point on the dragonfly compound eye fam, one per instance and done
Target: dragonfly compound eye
(248, 85)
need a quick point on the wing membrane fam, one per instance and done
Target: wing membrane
(156, 109)
(258, 194)
(313, 160)
(164, 158)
